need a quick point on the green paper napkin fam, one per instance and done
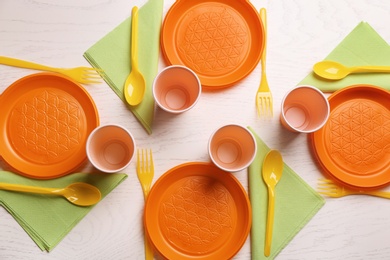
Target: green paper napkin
(295, 204)
(112, 54)
(363, 46)
(48, 219)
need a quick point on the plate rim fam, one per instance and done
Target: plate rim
(44, 171)
(209, 87)
(168, 174)
(319, 135)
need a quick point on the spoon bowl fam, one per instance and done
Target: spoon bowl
(272, 172)
(134, 89)
(81, 194)
(335, 71)
(78, 193)
(330, 70)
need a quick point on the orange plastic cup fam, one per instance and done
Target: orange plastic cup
(305, 109)
(110, 148)
(232, 148)
(176, 89)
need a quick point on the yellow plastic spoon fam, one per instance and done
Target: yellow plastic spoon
(334, 71)
(134, 88)
(78, 193)
(272, 172)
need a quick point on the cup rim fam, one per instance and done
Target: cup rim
(179, 110)
(249, 161)
(327, 108)
(87, 145)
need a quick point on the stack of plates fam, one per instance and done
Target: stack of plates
(221, 41)
(197, 211)
(354, 145)
(44, 123)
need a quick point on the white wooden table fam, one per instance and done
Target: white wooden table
(301, 33)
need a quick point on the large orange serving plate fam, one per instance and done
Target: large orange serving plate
(354, 145)
(44, 123)
(197, 211)
(221, 41)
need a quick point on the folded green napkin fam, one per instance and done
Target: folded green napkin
(295, 204)
(48, 219)
(363, 46)
(112, 54)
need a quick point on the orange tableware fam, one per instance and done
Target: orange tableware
(221, 41)
(304, 109)
(44, 124)
(197, 211)
(354, 145)
(110, 148)
(232, 147)
(176, 89)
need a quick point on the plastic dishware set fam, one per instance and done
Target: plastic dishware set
(50, 126)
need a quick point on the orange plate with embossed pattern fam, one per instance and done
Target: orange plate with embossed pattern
(197, 211)
(221, 41)
(44, 123)
(354, 145)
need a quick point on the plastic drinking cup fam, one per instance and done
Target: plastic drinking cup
(305, 109)
(176, 89)
(232, 148)
(110, 148)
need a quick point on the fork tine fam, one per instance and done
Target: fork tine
(145, 160)
(151, 161)
(329, 194)
(92, 77)
(267, 106)
(85, 81)
(91, 74)
(326, 190)
(138, 162)
(271, 107)
(145, 167)
(260, 105)
(326, 187)
(325, 180)
(92, 69)
(258, 108)
(264, 104)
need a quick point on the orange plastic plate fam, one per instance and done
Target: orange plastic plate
(221, 41)
(197, 211)
(44, 123)
(354, 145)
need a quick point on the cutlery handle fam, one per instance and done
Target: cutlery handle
(381, 194)
(263, 16)
(148, 248)
(270, 222)
(134, 36)
(371, 69)
(25, 64)
(24, 188)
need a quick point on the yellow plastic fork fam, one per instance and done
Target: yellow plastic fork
(84, 75)
(145, 173)
(329, 188)
(264, 101)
